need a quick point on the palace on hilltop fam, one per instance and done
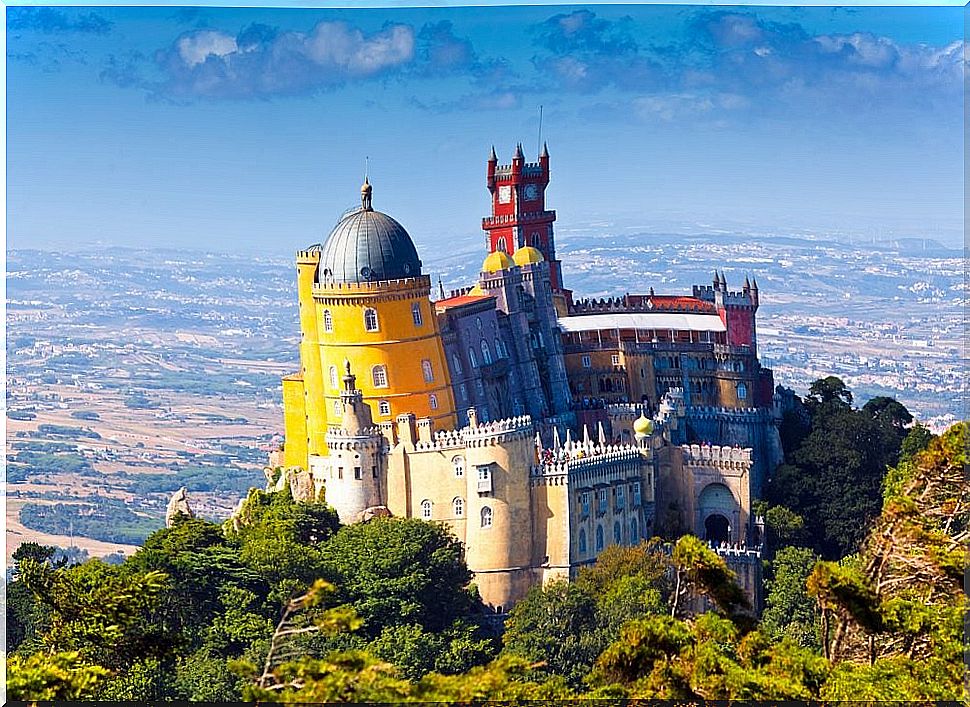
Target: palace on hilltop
(540, 427)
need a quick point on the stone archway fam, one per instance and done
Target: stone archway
(718, 514)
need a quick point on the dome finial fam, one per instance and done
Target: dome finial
(365, 195)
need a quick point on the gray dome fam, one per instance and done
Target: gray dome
(366, 246)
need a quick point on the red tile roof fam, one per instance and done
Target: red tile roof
(460, 300)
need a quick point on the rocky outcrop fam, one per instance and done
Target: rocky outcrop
(178, 505)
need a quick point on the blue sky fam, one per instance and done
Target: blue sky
(248, 128)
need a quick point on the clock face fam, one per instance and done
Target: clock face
(504, 194)
(531, 192)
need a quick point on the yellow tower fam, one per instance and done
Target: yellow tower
(364, 300)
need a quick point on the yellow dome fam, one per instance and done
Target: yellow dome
(496, 261)
(527, 255)
(476, 290)
(642, 426)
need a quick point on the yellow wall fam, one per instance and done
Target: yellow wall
(294, 421)
(399, 344)
(316, 414)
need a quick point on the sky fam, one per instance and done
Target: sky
(248, 128)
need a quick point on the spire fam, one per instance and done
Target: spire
(747, 285)
(441, 288)
(754, 285)
(493, 157)
(586, 440)
(519, 155)
(545, 151)
(569, 439)
(349, 378)
(555, 438)
(365, 195)
(717, 281)
(723, 282)
(601, 433)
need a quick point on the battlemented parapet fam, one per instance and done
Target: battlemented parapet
(589, 495)
(719, 492)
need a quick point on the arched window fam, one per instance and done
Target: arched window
(599, 538)
(742, 391)
(416, 314)
(634, 532)
(379, 374)
(370, 319)
(333, 377)
(582, 542)
(486, 517)
(458, 507)
(617, 533)
(426, 509)
(499, 349)
(459, 463)
(427, 370)
(502, 245)
(384, 408)
(486, 353)
(327, 320)
(456, 364)
(471, 358)
(433, 401)
(336, 408)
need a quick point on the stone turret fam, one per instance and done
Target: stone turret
(355, 473)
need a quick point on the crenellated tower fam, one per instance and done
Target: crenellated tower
(355, 472)
(519, 215)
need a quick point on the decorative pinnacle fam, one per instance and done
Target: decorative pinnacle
(518, 152)
(545, 150)
(493, 157)
(349, 378)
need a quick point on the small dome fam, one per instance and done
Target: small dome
(499, 260)
(642, 426)
(367, 246)
(527, 255)
(476, 290)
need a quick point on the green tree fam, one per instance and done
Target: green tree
(701, 571)
(556, 626)
(916, 440)
(709, 658)
(99, 611)
(26, 617)
(832, 479)
(400, 571)
(202, 565)
(893, 619)
(789, 610)
(52, 676)
(784, 526)
(281, 539)
(829, 391)
(564, 626)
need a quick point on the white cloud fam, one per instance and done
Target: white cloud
(861, 49)
(337, 44)
(196, 48)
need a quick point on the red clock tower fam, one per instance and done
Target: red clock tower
(519, 216)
